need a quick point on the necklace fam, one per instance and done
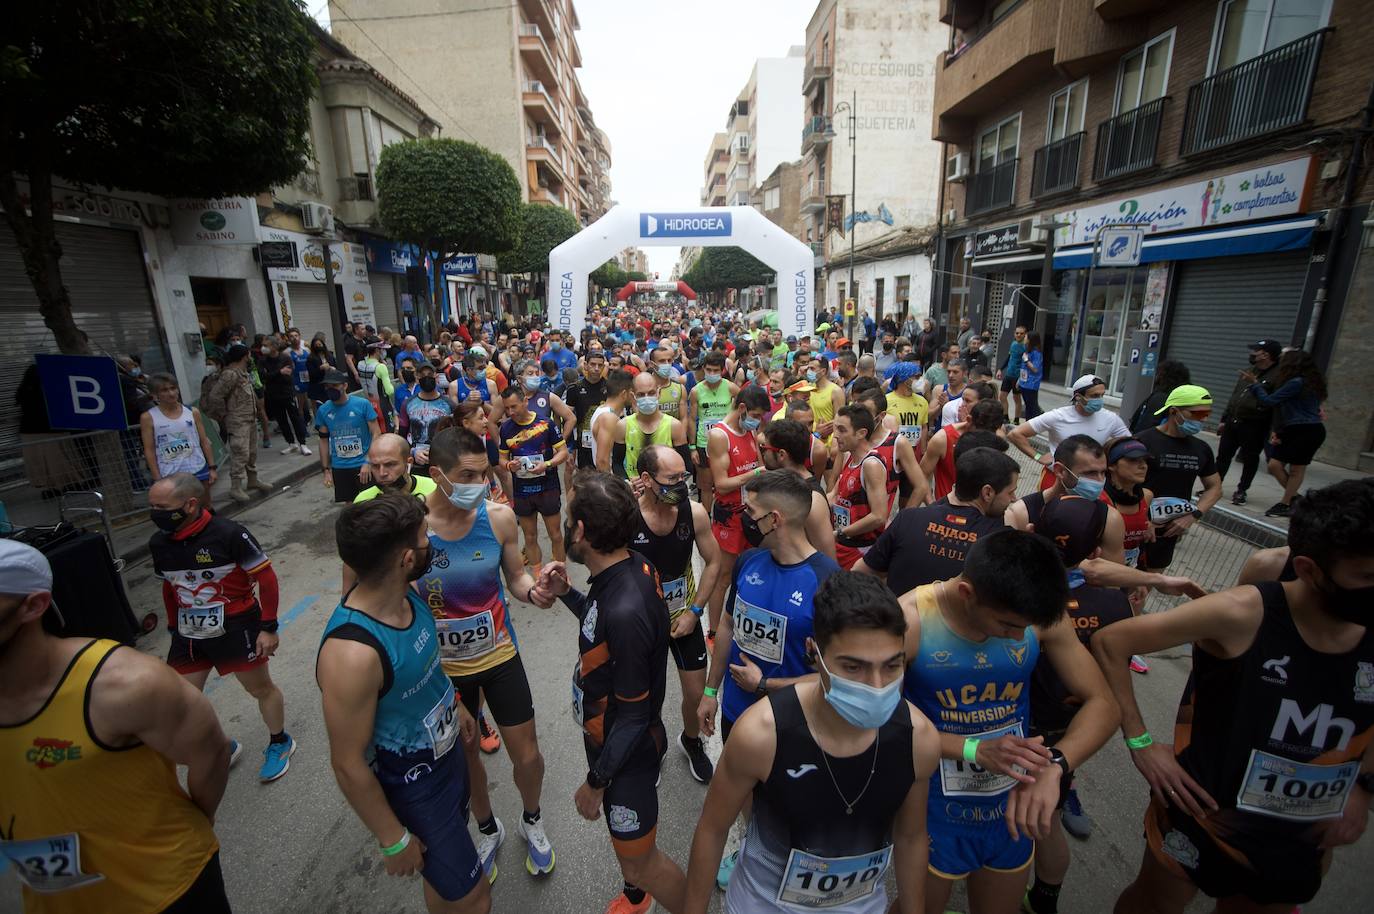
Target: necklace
(850, 804)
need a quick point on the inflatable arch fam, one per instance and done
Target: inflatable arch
(715, 226)
(634, 288)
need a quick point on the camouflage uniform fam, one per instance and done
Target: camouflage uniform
(240, 421)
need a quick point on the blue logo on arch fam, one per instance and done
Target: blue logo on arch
(684, 225)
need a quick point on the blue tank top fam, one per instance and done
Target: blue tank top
(770, 608)
(975, 689)
(464, 592)
(300, 362)
(464, 389)
(416, 715)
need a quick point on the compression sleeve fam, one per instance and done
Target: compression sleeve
(268, 592)
(631, 642)
(576, 601)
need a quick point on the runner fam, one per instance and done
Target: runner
(90, 736)
(584, 398)
(423, 411)
(859, 500)
(647, 424)
(300, 369)
(903, 402)
(347, 426)
(1084, 415)
(733, 453)
(906, 486)
(974, 641)
(1178, 461)
(523, 443)
(1127, 465)
(607, 454)
(1079, 467)
(672, 395)
(929, 543)
(938, 461)
(174, 439)
(469, 382)
(708, 403)
(220, 592)
(470, 539)
(391, 716)
(787, 446)
(811, 843)
(767, 622)
(389, 458)
(619, 685)
(1273, 761)
(1010, 373)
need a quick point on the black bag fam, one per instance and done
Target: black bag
(86, 588)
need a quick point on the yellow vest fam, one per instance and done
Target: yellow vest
(823, 408)
(912, 414)
(110, 829)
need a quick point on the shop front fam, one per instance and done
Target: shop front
(299, 296)
(1007, 266)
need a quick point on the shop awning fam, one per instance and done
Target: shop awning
(1266, 238)
(1012, 260)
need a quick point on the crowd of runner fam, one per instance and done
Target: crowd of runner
(907, 664)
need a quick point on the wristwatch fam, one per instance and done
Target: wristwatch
(595, 782)
(762, 689)
(1365, 781)
(1058, 758)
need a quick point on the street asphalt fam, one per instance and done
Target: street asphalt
(295, 845)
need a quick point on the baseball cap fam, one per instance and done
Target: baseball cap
(23, 569)
(1074, 524)
(1127, 447)
(842, 341)
(1273, 347)
(334, 377)
(1088, 380)
(792, 338)
(374, 342)
(1184, 396)
(801, 387)
(479, 351)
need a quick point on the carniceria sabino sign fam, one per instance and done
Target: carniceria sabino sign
(223, 220)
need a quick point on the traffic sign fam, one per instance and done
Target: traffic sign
(81, 391)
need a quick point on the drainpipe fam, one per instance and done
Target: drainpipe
(938, 279)
(1342, 217)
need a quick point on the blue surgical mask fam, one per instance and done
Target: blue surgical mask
(1077, 578)
(811, 376)
(1089, 488)
(748, 374)
(712, 377)
(647, 405)
(532, 383)
(555, 346)
(749, 423)
(1190, 426)
(465, 496)
(1094, 405)
(664, 371)
(862, 705)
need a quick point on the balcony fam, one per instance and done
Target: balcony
(1056, 166)
(1129, 142)
(817, 71)
(537, 100)
(813, 197)
(816, 133)
(1262, 95)
(541, 150)
(535, 54)
(992, 189)
(989, 67)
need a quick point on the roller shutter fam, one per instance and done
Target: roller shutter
(384, 300)
(310, 310)
(1222, 306)
(104, 274)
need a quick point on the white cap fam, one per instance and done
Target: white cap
(23, 569)
(477, 351)
(1085, 382)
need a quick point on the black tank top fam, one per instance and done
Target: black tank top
(1035, 503)
(799, 807)
(1052, 705)
(1268, 733)
(672, 552)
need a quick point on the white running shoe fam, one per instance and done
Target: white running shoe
(539, 858)
(305, 451)
(487, 848)
(290, 449)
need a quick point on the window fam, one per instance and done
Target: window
(1066, 111)
(998, 145)
(772, 198)
(1249, 28)
(1144, 73)
(878, 288)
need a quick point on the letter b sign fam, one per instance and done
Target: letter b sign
(81, 391)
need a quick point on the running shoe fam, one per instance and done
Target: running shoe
(697, 760)
(539, 859)
(488, 738)
(1279, 509)
(1026, 906)
(1238, 498)
(1076, 821)
(726, 870)
(235, 750)
(1138, 664)
(487, 846)
(291, 449)
(304, 451)
(623, 905)
(277, 758)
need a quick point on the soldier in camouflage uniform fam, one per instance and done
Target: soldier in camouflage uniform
(240, 421)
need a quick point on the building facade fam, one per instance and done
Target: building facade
(714, 189)
(1217, 129)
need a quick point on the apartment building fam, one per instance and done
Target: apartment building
(633, 260)
(869, 65)
(715, 189)
(504, 76)
(1222, 128)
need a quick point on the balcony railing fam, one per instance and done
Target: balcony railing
(542, 142)
(992, 189)
(1056, 166)
(816, 132)
(356, 187)
(815, 71)
(1259, 96)
(531, 30)
(1129, 142)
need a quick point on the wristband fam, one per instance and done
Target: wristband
(710, 692)
(1141, 741)
(399, 846)
(269, 625)
(697, 609)
(971, 750)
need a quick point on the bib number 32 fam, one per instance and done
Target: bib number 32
(49, 864)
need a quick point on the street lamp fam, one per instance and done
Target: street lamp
(850, 108)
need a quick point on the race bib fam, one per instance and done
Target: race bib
(809, 881)
(49, 864)
(467, 638)
(1297, 791)
(911, 433)
(179, 446)
(675, 595)
(839, 516)
(442, 723)
(527, 465)
(588, 439)
(959, 778)
(201, 622)
(759, 631)
(348, 446)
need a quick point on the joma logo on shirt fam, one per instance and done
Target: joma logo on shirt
(49, 753)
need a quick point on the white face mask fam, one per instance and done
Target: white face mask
(465, 496)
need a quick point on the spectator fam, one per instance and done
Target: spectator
(1169, 375)
(321, 360)
(966, 333)
(233, 398)
(1032, 373)
(927, 342)
(1246, 422)
(1298, 428)
(279, 393)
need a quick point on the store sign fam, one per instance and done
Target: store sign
(461, 265)
(282, 312)
(1120, 246)
(1002, 240)
(279, 255)
(1262, 192)
(81, 391)
(358, 303)
(221, 220)
(83, 203)
(389, 257)
(347, 260)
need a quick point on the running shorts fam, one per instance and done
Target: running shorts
(728, 530)
(546, 502)
(1009, 380)
(431, 800)
(232, 652)
(848, 556)
(957, 850)
(1157, 555)
(584, 458)
(347, 485)
(206, 895)
(630, 803)
(506, 689)
(689, 651)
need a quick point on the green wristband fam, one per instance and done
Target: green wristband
(399, 846)
(710, 692)
(1141, 741)
(971, 750)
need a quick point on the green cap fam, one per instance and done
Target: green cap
(1185, 396)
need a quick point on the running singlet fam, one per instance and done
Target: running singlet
(300, 364)
(1137, 520)
(770, 608)
(1090, 609)
(671, 556)
(805, 846)
(209, 568)
(670, 398)
(463, 590)
(422, 415)
(1276, 735)
(743, 451)
(896, 481)
(822, 408)
(348, 430)
(88, 827)
(944, 468)
(851, 504)
(591, 428)
(636, 440)
(912, 413)
(583, 399)
(417, 717)
(530, 444)
(712, 406)
(975, 689)
(176, 443)
(1035, 503)
(464, 388)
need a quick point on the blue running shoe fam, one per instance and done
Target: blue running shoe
(487, 846)
(726, 870)
(235, 750)
(539, 860)
(277, 759)
(1076, 821)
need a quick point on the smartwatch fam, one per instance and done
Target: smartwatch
(595, 782)
(762, 690)
(1057, 758)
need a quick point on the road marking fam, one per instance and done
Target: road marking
(290, 616)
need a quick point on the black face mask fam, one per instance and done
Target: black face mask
(167, 520)
(753, 534)
(407, 376)
(337, 395)
(428, 384)
(420, 570)
(1253, 359)
(1349, 604)
(673, 494)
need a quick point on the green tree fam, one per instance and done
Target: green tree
(609, 276)
(449, 197)
(543, 227)
(185, 98)
(636, 276)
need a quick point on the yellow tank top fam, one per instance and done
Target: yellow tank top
(912, 414)
(823, 408)
(670, 398)
(98, 829)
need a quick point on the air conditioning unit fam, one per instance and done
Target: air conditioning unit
(951, 216)
(956, 167)
(1031, 237)
(317, 218)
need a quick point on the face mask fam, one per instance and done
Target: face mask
(136, 372)
(862, 705)
(1253, 358)
(712, 377)
(1094, 405)
(468, 495)
(555, 346)
(664, 371)
(1087, 488)
(1349, 604)
(1077, 578)
(428, 385)
(420, 569)
(1190, 427)
(166, 520)
(337, 395)
(887, 347)
(753, 534)
(531, 383)
(811, 376)
(647, 405)
(673, 494)
(749, 423)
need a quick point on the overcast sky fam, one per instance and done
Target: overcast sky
(661, 76)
